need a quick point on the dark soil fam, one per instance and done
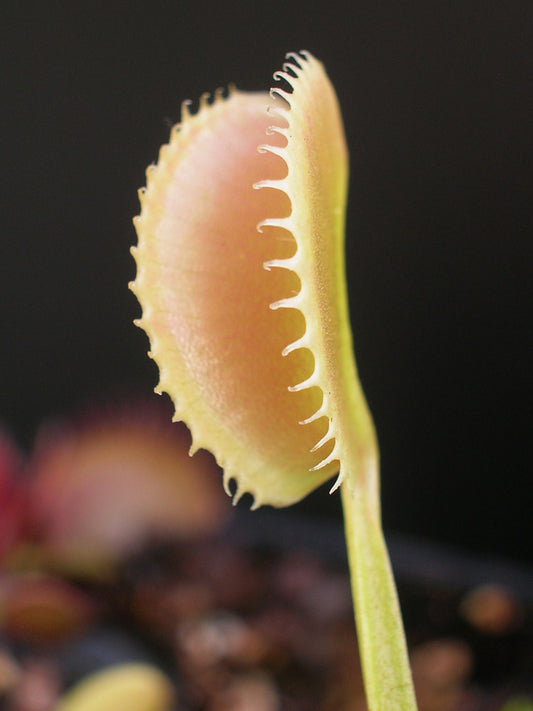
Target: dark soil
(261, 619)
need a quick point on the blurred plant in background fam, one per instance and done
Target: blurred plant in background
(12, 495)
(103, 489)
(94, 493)
(124, 586)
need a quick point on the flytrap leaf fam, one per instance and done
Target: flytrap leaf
(240, 276)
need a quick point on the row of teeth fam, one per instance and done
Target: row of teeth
(292, 70)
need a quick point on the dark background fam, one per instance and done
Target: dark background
(435, 100)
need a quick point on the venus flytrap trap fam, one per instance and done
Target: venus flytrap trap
(241, 279)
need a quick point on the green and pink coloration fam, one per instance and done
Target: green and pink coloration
(241, 279)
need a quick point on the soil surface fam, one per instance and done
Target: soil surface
(260, 618)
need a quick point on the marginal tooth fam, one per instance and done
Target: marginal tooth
(283, 222)
(321, 442)
(281, 184)
(307, 383)
(278, 112)
(292, 302)
(162, 387)
(326, 438)
(185, 110)
(239, 493)
(193, 449)
(285, 95)
(138, 321)
(327, 460)
(277, 129)
(219, 95)
(196, 442)
(284, 76)
(338, 482)
(276, 150)
(290, 67)
(296, 57)
(165, 148)
(281, 263)
(302, 342)
(204, 101)
(321, 412)
(226, 478)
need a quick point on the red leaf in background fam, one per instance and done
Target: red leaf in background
(103, 489)
(12, 495)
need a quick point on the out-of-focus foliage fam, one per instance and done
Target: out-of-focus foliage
(103, 490)
(97, 490)
(129, 687)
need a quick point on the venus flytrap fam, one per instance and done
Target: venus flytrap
(241, 279)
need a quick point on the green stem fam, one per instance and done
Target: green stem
(383, 651)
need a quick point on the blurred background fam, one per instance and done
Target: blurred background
(435, 101)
